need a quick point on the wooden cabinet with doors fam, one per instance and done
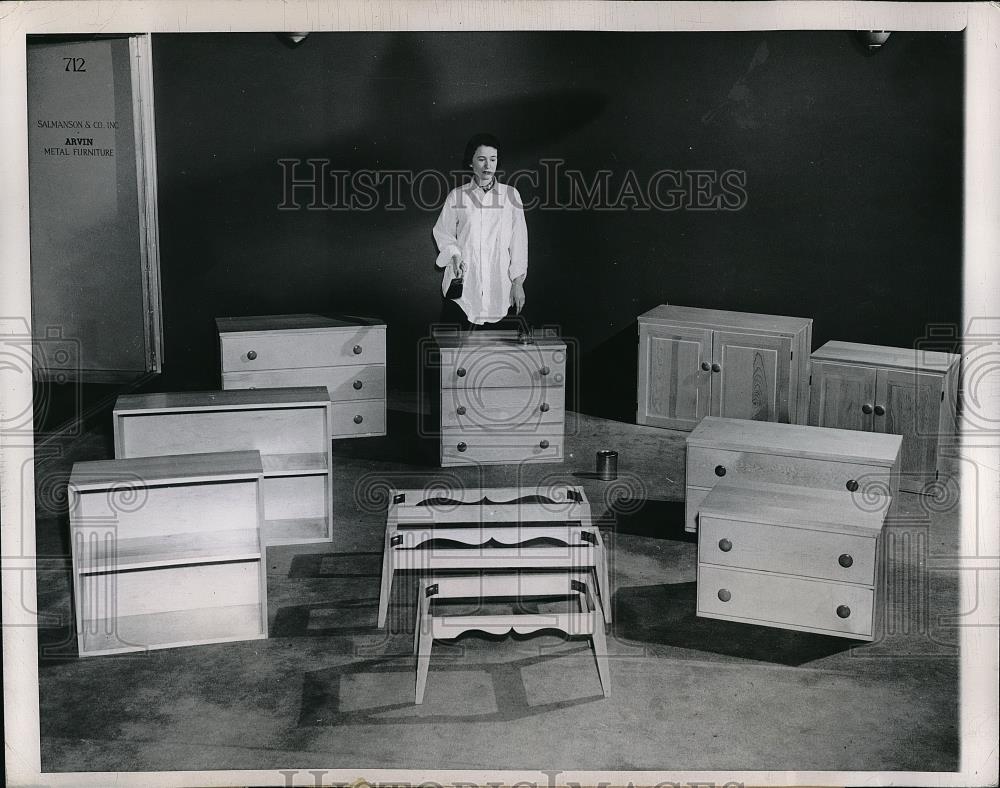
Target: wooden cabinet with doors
(911, 393)
(708, 362)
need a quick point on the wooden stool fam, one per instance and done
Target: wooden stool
(507, 516)
(589, 620)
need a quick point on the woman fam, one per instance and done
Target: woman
(482, 237)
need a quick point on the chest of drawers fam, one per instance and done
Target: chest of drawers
(740, 450)
(797, 558)
(345, 354)
(500, 401)
(912, 393)
(710, 362)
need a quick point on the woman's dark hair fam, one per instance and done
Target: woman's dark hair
(473, 145)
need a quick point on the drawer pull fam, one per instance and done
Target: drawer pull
(251, 354)
(358, 419)
(843, 611)
(545, 370)
(460, 372)
(544, 444)
(852, 485)
(460, 410)
(724, 595)
(725, 545)
(845, 560)
(720, 470)
(705, 366)
(357, 385)
(866, 408)
(716, 368)
(462, 446)
(357, 350)
(879, 410)
(544, 407)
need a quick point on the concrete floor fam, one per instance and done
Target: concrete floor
(329, 690)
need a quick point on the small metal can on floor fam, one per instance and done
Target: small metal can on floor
(607, 465)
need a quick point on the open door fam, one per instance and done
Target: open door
(92, 180)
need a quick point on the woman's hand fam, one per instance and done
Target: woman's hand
(517, 295)
(458, 265)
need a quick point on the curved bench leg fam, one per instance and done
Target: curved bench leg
(385, 588)
(601, 652)
(424, 644)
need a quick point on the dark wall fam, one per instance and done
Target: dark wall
(852, 181)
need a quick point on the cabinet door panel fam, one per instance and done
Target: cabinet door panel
(839, 394)
(912, 403)
(753, 376)
(673, 388)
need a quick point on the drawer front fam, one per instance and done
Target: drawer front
(365, 417)
(794, 551)
(498, 409)
(343, 383)
(292, 350)
(782, 601)
(468, 447)
(704, 467)
(503, 368)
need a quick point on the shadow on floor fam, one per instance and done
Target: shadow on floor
(657, 519)
(409, 440)
(665, 615)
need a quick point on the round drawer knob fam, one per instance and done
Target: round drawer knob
(720, 470)
(705, 366)
(845, 560)
(716, 368)
(358, 419)
(544, 408)
(251, 354)
(545, 370)
(544, 444)
(866, 408)
(879, 410)
(725, 545)
(460, 372)
(724, 595)
(462, 446)
(357, 350)
(357, 385)
(460, 410)
(852, 485)
(843, 611)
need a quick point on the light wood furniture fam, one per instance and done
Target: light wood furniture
(288, 426)
(167, 552)
(912, 393)
(708, 362)
(345, 354)
(738, 450)
(501, 401)
(587, 621)
(510, 517)
(792, 557)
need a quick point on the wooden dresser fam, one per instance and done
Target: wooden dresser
(167, 552)
(288, 426)
(792, 557)
(500, 401)
(912, 393)
(708, 362)
(739, 450)
(346, 354)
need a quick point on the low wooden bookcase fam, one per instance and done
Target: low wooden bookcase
(167, 552)
(288, 426)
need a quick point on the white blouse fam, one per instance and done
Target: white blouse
(488, 230)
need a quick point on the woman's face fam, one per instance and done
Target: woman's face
(484, 164)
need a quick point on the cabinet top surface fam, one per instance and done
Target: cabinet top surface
(229, 399)
(797, 440)
(785, 504)
(232, 325)
(721, 319)
(173, 468)
(877, 355)
(494, 340)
